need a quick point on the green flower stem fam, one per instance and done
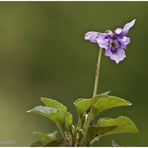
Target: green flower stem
(62, 132)
(97, 73)
(77, 132)
(77, 139)
(94, 92)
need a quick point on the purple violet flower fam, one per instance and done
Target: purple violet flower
(114, 43)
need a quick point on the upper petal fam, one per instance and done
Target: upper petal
(118, 31)
(91, 36)
(117, 57)
(128, 26)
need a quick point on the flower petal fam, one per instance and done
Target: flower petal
(128, 26)
(103, 39)
(103, 42)
(91, 36)
(118, 31)
(117, 57)
(124, 42)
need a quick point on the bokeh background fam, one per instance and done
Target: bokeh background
(43, 54)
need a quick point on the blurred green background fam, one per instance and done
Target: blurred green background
(43, 54)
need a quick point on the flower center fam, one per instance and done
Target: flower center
(114, 45)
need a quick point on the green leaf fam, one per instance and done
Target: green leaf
(124, 125)
(59, 106)
(69, 120)
(51, 113)
(109, 102)
(82, 105)
(54, 103)
(45, 137)
(94, 133)
(102, 95)
(97, 131)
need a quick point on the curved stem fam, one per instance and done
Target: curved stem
(62, 132)
(94, 92)
(97, 73)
